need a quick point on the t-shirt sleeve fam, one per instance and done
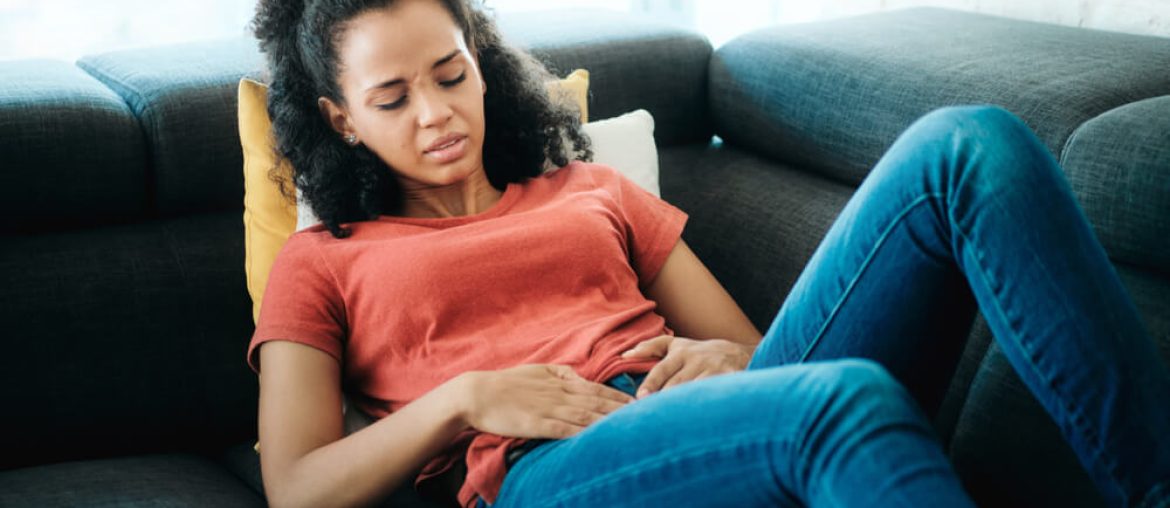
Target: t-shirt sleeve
(653, 226)
(301, 303)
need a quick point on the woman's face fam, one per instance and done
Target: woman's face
(410, 84)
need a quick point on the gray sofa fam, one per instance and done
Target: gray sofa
(124, 307)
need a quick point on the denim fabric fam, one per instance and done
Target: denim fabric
(627, 383)
(832, 96)
(72, 152)
(827, 433)
(966, 209)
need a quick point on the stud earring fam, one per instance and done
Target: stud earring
(351, 139)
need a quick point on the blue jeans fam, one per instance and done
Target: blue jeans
(966, 211)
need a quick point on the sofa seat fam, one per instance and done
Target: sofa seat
(173, 479)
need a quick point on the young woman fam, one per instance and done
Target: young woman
(531, 338)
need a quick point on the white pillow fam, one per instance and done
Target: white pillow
(624, 142)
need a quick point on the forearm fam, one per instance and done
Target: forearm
(369, 464)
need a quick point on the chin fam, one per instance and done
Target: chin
(449, 174)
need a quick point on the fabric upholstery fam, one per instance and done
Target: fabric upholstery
(185, 98)
(147, 480)
(634, 63)
(1119, 166)
(758, 246)
(185, 95)
(243, 462)
(72, 153)
(125, 339)
(157, 313)
(754, 223)
(834, 95)
(1004, 437)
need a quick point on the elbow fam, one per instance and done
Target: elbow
(280, 493)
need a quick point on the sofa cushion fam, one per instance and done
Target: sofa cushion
(244, 462)
(1119, 166)
(833, 96)
(1008, 450)
(185, 97)
(633, 62)
(72, 152)
(758, 246)
(754, 223)
(149, 480)
(125, 339)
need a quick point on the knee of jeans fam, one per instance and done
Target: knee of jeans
(1009, 152)
(975, 119)
(865, 385)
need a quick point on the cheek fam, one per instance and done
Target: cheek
(388, 135)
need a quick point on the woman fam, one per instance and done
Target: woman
(457, 307)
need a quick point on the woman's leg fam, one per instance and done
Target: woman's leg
(968, 206)
(838, 433)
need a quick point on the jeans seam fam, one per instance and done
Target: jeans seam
(639, 466)
(1077, 417)
(861, 271)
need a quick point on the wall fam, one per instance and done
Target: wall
(1151, 17)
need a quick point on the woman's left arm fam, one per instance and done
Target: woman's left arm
(693, 302)
(712, 334)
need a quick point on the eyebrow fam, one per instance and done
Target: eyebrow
(398, 81)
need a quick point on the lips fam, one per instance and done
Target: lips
(444, 142)
(446, 149)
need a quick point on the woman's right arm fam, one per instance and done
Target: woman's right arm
(307, 460)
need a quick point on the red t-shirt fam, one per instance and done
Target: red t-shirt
(551, 273)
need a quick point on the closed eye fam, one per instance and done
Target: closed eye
(445, 84)
(456, 81)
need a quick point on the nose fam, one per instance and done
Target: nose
(433, 109)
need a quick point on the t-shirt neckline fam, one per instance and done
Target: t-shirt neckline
(511, 193)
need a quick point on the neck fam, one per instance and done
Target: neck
(469, 196)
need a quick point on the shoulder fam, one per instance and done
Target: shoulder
(302, 248)
(590, 175)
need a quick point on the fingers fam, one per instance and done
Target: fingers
(658, 376)
(656, 347)
(578, 384)
(558, 429)
(683, 375)
(580, 411)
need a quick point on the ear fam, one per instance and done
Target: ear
(335, 116)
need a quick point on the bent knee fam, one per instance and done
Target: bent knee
(858, 372)
(975, 118)
(857, 384)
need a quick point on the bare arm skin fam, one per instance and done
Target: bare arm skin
(306, 461)
(693, 302)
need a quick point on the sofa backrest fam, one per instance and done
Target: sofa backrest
(827, 99)
(71, 150)
(832, 96)
(125, 308)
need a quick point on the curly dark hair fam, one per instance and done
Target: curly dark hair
(524, 126)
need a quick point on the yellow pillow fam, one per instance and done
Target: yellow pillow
(269, 219)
